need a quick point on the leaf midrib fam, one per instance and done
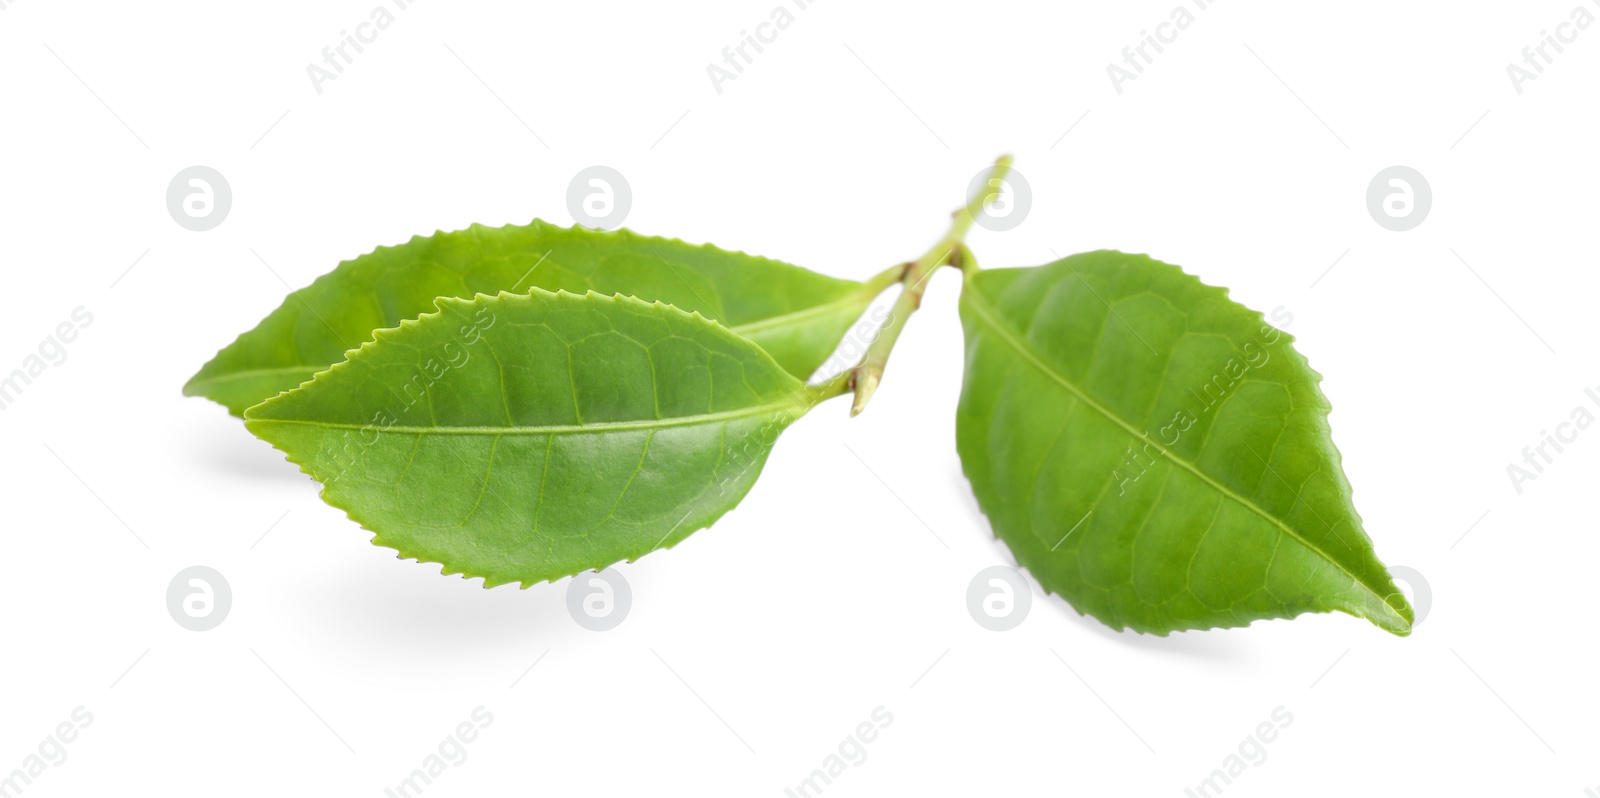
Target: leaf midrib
(771, 323)
(786, 319)
(786, 408)
(985, 312)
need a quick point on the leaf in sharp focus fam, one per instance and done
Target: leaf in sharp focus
(797, 315)
(527, 437)
(1156, 453)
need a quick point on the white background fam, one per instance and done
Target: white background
(757, 646)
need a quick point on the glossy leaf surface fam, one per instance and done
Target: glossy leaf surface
(528, 437)
(1156, 453)
(797, 315)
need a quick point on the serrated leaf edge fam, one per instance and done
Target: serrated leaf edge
(1404, 611)
(192, 386)
(446, 568)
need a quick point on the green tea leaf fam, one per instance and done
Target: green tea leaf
(1156, 453)
(527, 437)
(797, 315)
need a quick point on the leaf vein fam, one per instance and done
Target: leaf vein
(984, 312)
